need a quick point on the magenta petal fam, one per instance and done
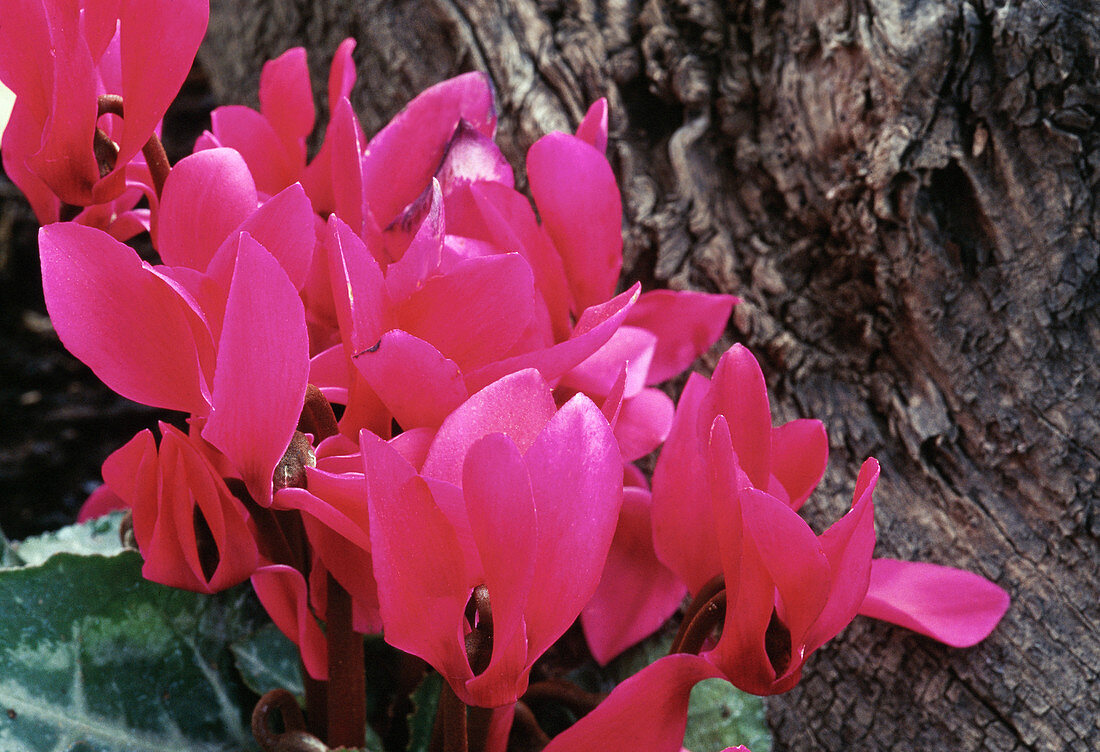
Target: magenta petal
(686, 323)
(422, 575)
(283, 593)
(577, 478)
(593, 129)
(250, 133)
(344, 137)
(738, 392)
(358, 287)
(400, 160)
(155, 61)
(956, 607)
(473, 156)
(848, 544)
(262, 369)
(518, 405)
(502, 520)
(213, 184)
(793, 556)
(643, 423)
(578, 200)
(120, 318)
(341, 73)
(286, 98)
(682, 529)
(413, 380)
(421, 259)
(800, 452)
(597, 373)
(594, 328)
(284, 225)
(474, 314)
(100, 502)
(647, 712)
(637, 593)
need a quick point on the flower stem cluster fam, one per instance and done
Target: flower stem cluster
(477, 493)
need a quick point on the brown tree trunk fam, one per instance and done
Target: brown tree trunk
(904, 195)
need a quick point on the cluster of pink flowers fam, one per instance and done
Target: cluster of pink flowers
(477, 493)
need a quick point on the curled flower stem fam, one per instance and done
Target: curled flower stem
(347, 694)
(699, 623)
(276, 701)
(155, 156)
(564, 693)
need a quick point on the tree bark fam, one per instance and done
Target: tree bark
(904, 195)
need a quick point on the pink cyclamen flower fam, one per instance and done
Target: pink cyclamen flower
(512, 512)
(59, 57)
(726, 489)
(192, 531)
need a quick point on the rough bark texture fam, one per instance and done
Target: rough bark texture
(904, 194)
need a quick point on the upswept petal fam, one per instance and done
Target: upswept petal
(739, 393)
(155, 63)
(518, 405)
(358, 288)
(474, 314)
(800, 452)
(345, 136)
(686, 323)
(214, 185)
(957, 608)
(414, 380)
(286, 101)
(262, 369)
(577, 480)
(502, 518)
(637, 593)
(341, 77)
(595, 327)
(578, 201)
(508, 221)
(793, 558)
(423, 577)
(248, 132)
(120, 318)
(848, 544)
(282, 591)
(596, 374)
(284, 225)
(425, 251)
(593, 128)
(473, 156)
(643, 423)
(67, 105)
(402, 158)
(683, 534)
(648, 711)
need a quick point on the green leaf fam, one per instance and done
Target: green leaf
(422, 719)
(267, 660)
(95, 659)
(720, 716)
(98, 536)
(8, 557)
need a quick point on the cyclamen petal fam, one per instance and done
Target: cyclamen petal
(215, 185)
(114, 313)
(262, 369)
(956, 607)
(686, 324)
(579, 203)
(285, 596)
(648, 711)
